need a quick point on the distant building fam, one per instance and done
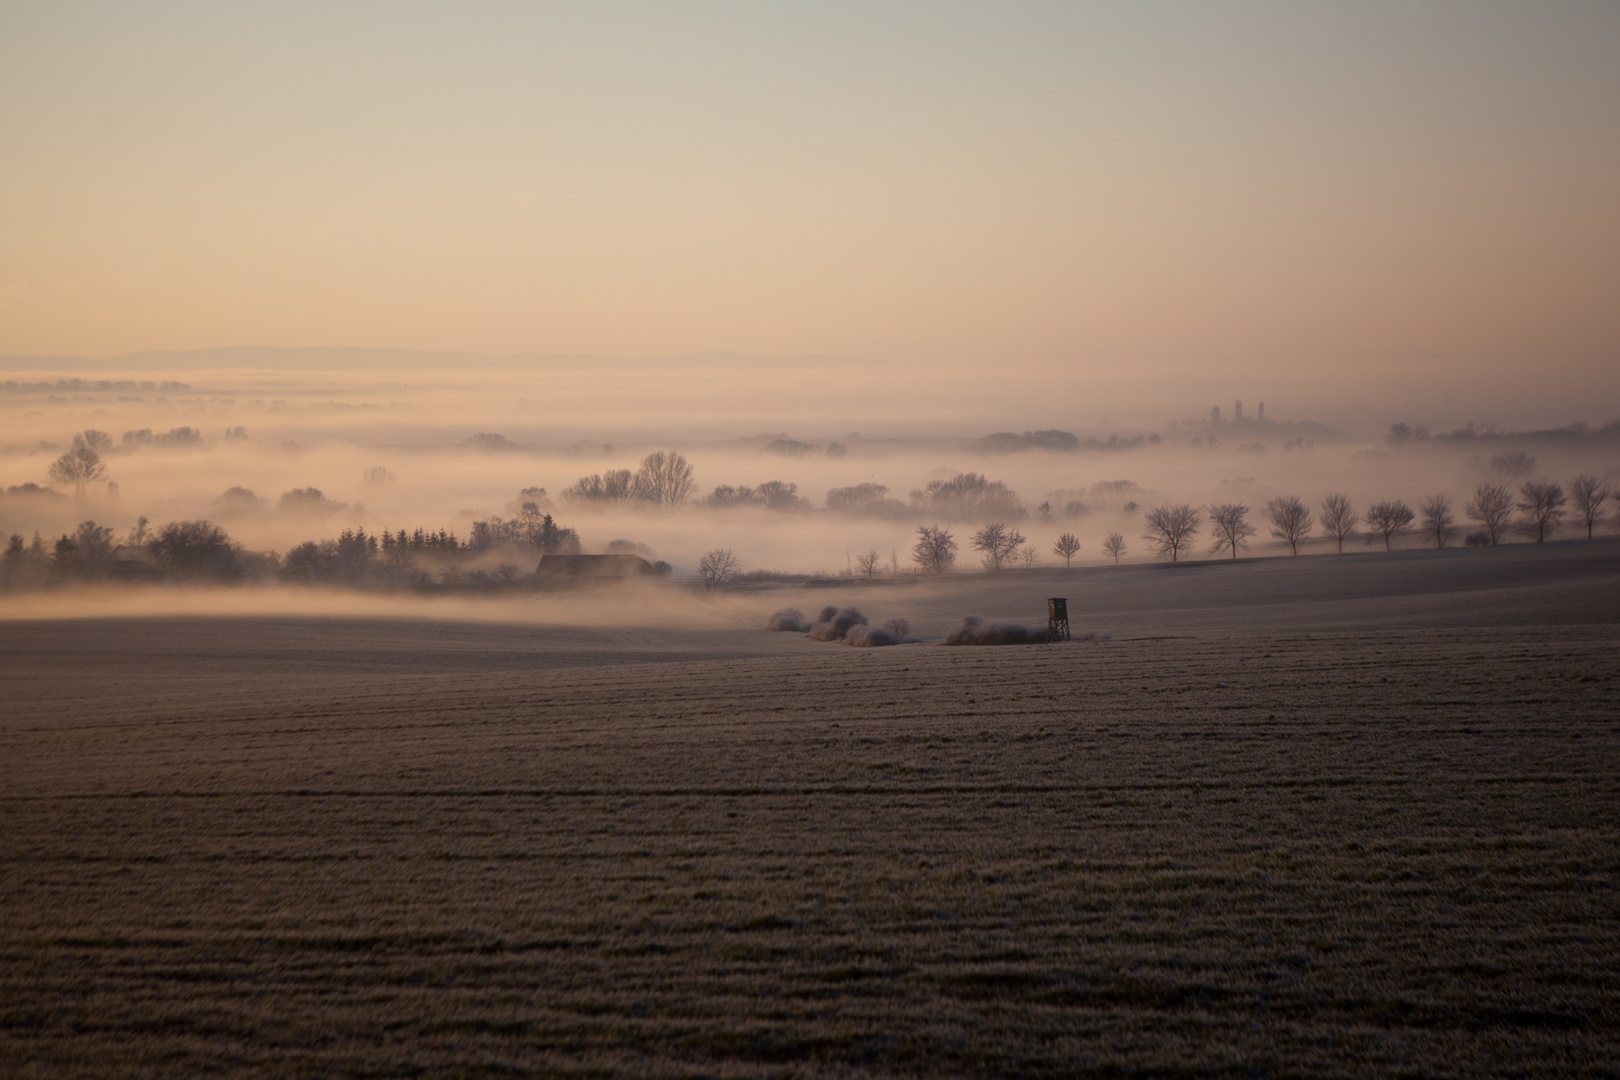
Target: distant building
(593, 567)
(1237, 412)
(134, 562)
(1262, 413)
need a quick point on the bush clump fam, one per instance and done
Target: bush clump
(870, 637)
(974, 630)
(833, 624)
(788, 620)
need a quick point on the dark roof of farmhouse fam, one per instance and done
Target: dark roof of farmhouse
(603, 566)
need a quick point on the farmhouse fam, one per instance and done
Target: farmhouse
(136, 563)
(593, 567)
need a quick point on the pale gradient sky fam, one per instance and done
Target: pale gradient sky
(1305, 190)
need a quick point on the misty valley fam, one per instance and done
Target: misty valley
(215, 502)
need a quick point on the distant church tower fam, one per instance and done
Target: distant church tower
(1237, 413)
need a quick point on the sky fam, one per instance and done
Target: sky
(1399, 200)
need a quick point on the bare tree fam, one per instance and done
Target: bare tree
(868, 564)
(1543, 508)
(967, 497)
(79, 467)
(1229, 523)
(718, 567)
(998, 544)
(613, 486)
(935, 549)
(1115, 546)
(1588, 493)
(197, 548)
(1065, 548)
(1389, 519)
(665, 479)
(1339, 518)
(1290, 520)
(1438, 522)
(1514, 465)
(1170, 528)
(1492, 507)
(91, 439)
(1028, 557)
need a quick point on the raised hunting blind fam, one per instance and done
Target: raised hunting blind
(1057, 619)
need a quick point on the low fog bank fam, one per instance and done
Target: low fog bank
(646, 608)
(87, 462)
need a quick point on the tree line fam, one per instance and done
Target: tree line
(200, 551)
(1537, 510)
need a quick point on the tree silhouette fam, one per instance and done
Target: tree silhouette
(1492, 507)
(1543, 508)
(665, 479)
(79, 467)
(1115, 546)
(1588, 493)
(91, 439)
(196, 548)
(1290, 520)
(1389, 519)
(1339, 518)
(1438, 522)
(998, 544)
(65, 559)
(615, 485)
(967, 497)
(935, 549)
(717, 567)
(1066, 546)
(1170, 528)
(1229, 523)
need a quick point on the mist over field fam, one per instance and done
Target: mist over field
(443, 448)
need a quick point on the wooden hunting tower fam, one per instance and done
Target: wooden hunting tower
(1057, 619)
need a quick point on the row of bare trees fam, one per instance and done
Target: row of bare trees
(998, 546)
(1172, 528)
(664, 478)
(1538, 512)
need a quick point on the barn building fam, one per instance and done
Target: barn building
(593, 567)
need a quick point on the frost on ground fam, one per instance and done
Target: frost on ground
(302, 846)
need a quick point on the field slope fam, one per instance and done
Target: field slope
(1301, 821)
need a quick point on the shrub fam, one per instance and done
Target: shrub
(973, 630)
(788, 620)
(833, 624)
(870, 637)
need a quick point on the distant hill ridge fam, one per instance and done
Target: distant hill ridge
(325, 358)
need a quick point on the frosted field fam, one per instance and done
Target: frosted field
(1338, 816)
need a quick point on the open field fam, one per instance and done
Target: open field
(1324, 816)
